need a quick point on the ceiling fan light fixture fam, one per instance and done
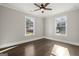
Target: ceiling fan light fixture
(42, 9)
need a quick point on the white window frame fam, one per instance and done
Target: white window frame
(32, 19)
(59, 34)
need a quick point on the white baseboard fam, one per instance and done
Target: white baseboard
(4, 50)
(64, 41)
(24, 41)
(19, 42)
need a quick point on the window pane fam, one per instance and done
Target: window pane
(61, 23)
(29, 26)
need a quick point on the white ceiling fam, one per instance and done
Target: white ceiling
(29, 7)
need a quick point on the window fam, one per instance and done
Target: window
(29, 26)
(61, 25)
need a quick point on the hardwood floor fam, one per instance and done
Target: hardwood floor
(42, 47)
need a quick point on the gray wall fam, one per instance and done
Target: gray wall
(72, 26)
(12, 24)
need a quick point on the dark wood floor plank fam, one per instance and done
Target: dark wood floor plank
(41, 47)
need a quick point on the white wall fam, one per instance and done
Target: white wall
(72, 27)
(12, 25)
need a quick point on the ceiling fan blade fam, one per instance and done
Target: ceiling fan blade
(46, 4)
(36, 5)
(36, 9)
(48, 9)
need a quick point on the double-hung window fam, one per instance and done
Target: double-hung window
(29, 26)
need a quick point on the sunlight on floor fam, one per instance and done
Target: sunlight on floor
(30, 50)
(60, 51)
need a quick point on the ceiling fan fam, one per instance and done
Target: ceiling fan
(42, 7)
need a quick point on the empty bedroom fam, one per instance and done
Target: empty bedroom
(39, 29)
